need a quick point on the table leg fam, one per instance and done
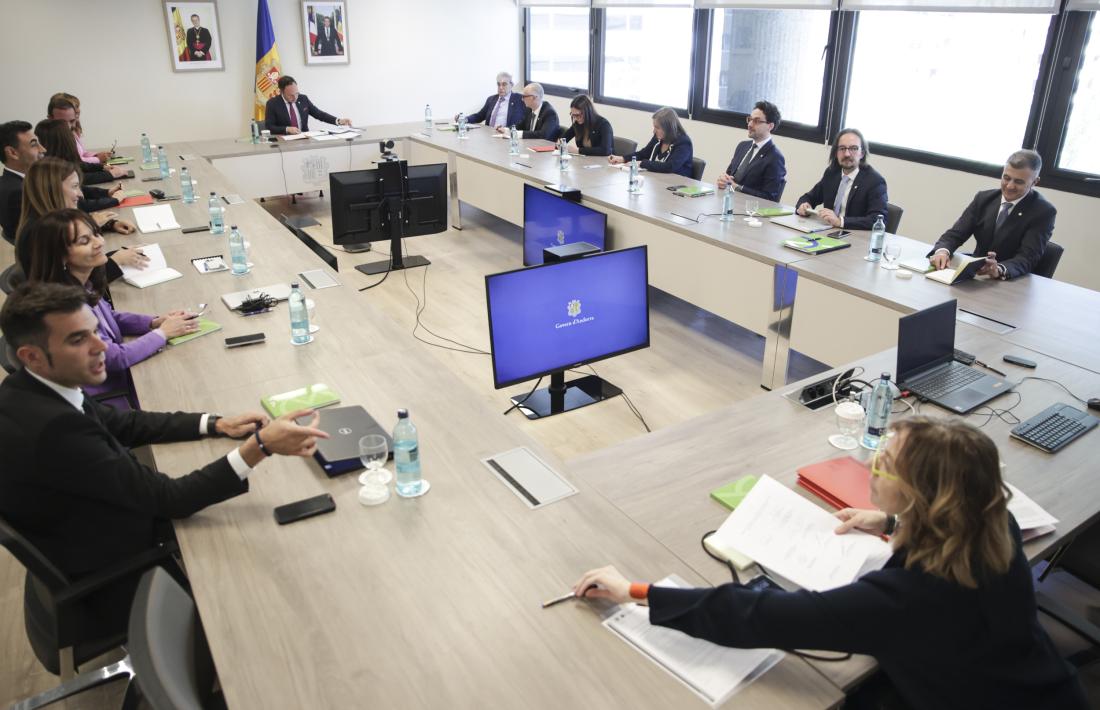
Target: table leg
(777, 341)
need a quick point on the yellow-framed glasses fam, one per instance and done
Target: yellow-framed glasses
(876, 467)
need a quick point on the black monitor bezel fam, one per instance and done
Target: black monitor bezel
(523, 246)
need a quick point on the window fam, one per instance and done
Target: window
(957, 84)
(772, 55)
(1081, 147)
(647, 55)
(558, 46)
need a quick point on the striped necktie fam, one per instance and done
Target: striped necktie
(1006, 209)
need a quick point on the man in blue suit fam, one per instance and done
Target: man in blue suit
(851, 193)
(503, 109)
(758, 167)
(289, 112)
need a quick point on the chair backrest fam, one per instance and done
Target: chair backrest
(623, 146)
(7, 361)
(11, 277)
(893, 218)
(1048, 262)
(33, 560)
(698, 165)
(168, 650)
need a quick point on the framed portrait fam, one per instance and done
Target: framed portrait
(194, 37)
(325, 32)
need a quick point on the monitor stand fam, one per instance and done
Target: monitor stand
(380, 267)
(562, 397)
(356, 248)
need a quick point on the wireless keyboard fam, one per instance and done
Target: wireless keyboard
(1054, 427)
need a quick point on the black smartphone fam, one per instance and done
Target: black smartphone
(1021, 361)
(241, 340)
(762, 582)
(302, 509)
(838, 234)
(196, 228)
(152, 179)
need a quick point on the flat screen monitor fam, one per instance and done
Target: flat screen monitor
(549, 318)
(551, 221)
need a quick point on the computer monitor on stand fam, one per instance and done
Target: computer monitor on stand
(388, 203)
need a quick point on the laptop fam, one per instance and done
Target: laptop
(345, 426)
(927, 365)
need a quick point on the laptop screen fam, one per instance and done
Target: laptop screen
(925, 339)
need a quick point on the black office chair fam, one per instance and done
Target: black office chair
(10, 278)
(893, 218)
(172, 662)
(1048, 262)
(6, 358)
(698, 165)
(623, 146)
(57, 625)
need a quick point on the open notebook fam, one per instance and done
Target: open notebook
(156, 271)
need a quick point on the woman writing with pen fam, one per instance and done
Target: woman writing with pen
(951, 618)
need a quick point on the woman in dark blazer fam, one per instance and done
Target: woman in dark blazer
(951, 618)
(57, 138)
(591, 131)
(668, 151)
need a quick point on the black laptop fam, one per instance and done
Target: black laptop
(927, 366)
(345, 426)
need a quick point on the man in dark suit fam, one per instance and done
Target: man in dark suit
(19, 149)
(502, 109)
(328, 43)
(851, 193)
(758, 167)
(68, 481)
(1011, 225)
(540, 120)
(289, 112)
(198, 41)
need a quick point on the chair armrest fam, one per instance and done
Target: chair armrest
(95, 582)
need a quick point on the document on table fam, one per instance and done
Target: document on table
(155, 218)
(712, 672)
(336, 136)
(1032, 519)
(787, 534)
(155, 272)
(300, 136)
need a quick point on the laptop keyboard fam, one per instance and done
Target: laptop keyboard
(1050, 430)
(945, 381)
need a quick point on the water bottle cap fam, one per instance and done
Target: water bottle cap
(293, 284)
(213, 194)
(402, 414)
(885, 376)
(232, 226)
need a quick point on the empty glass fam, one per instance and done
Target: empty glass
(752, 206)
(891, 252)
(849, 419)
(373, 452)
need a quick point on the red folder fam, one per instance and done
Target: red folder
(136, 201)
(842, 482)
(543, 148)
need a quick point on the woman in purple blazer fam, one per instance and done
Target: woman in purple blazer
(67, 247)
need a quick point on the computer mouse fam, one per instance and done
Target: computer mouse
(1094, 403)
(157, 194)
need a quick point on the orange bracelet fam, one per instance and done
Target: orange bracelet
(639, 590)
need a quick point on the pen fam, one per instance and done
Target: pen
(565, 597)
(256, 313)
(522, 164)
(991, 369)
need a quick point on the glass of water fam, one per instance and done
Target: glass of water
(752, 206)
(373, 452)
(849, 419)
(891, 252)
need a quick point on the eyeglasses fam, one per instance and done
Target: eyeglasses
(876, 469)
(575, 115)
(752, 121)
(848, 148)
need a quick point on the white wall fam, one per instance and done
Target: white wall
(932, 197)
(114, 55)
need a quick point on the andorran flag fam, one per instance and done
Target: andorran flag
(181, 38)
(267, 60)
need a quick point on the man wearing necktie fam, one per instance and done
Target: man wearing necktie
(289, 112)
(851, 193)
(758, 167)
(328, 42)
(502, 109)
(540, 120)
(1011, 225)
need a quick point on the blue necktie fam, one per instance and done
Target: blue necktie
(496, 110)
(844, 180)
(1006, 208)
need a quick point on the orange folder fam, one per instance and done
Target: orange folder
(542, 148)
(842, 482)
(136, 201)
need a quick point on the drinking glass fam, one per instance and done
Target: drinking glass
(891, 252)
(849, 419)
(752, 206)
(373, 452)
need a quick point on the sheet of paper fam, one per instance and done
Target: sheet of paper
(786, 533)
(335, 136)
(343, 129)
(712, 672)
(1027, 512)
(156, 260)
(155, 218)
(294, 137)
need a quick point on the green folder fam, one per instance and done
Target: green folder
(816, 245)
(120, 160)
(312, 397)
(205, 327)
(693, 191)
(150, 166)
(731, 494)
(131, 193)
(773, 212)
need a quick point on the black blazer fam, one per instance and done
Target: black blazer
(546, 125)
(1022, 238)
(942, 645)
(277, 118)
(677, 160)
(866, 197)
(11, 203)
(95, 199)
(602, 138)
(766, 175)
(516, 109)
(329, 47)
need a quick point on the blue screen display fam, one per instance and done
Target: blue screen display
(550, 221)
(561, 314)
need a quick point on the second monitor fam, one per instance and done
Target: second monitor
(550, 221)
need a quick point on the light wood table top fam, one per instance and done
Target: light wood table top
(416, 603)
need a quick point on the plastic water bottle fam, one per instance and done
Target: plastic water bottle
(462, 128)
(255, 132)
(878, 411)
(406, 456)
(299, 317)
(632, 183)
(237, 254)
(146, 150)
(562, 164)
(878, 236)
(187, 188)
(427, 117)
(162, 158)
(217, 220)
(513, 141)
(727, 203)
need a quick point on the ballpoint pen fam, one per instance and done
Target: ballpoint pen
(566, 597)
(979, 363)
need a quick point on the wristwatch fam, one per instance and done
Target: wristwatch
(212, 424)
(891, 525)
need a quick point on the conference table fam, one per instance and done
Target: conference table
(435, 600)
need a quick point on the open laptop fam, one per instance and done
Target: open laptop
(927, 366)
(345, 426)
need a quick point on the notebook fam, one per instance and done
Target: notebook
(919, 264)
(806, 225)
(816, 245)
(210, 264)
(206, 327)
(233, 301)
(543, 148)
(693, 190)
(312, 396)
(773, 212)
(136, 200)
(961, 268)
(842, 482)
(155, 272)
(155, 218)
